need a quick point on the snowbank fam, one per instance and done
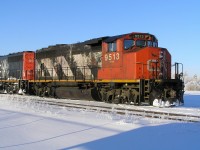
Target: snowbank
(28, 125)
(192, 92)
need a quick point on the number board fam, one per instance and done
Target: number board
(139, 36)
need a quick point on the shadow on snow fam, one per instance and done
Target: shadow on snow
(176, 136)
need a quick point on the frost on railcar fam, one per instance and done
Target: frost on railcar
(3, 67)
(15, 62)
(69, 61)
(10, 72)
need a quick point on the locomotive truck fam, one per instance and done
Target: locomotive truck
(128, 68)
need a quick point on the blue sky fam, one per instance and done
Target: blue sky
(34, 24)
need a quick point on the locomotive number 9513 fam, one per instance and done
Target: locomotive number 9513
(112, 56)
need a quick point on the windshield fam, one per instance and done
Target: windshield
(149, 43)
(155, 44)
(140, 43)
(128, 44)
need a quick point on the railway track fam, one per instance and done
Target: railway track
(124, 111)
(110, 108)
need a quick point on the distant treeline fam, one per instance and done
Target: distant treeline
(192, 83)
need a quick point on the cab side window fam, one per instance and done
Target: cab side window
(112, 47)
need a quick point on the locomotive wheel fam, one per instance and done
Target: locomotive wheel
(53, 92)
(39, 92)
(155, 94)
(116, 101)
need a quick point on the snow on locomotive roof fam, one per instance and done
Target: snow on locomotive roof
(79, 45)
(91, 42)
(95, 40)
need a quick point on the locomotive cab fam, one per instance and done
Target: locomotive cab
(134, 56)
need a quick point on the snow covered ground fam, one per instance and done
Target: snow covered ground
(28, 125)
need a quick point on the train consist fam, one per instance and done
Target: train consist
(128, 68)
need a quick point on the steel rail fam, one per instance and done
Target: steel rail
(124, 111)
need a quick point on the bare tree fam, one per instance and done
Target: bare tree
(192, 83)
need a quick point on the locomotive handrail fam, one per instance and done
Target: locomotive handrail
(177, 74)
(66, 73)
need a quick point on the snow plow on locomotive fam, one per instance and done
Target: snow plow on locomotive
(128, 68)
